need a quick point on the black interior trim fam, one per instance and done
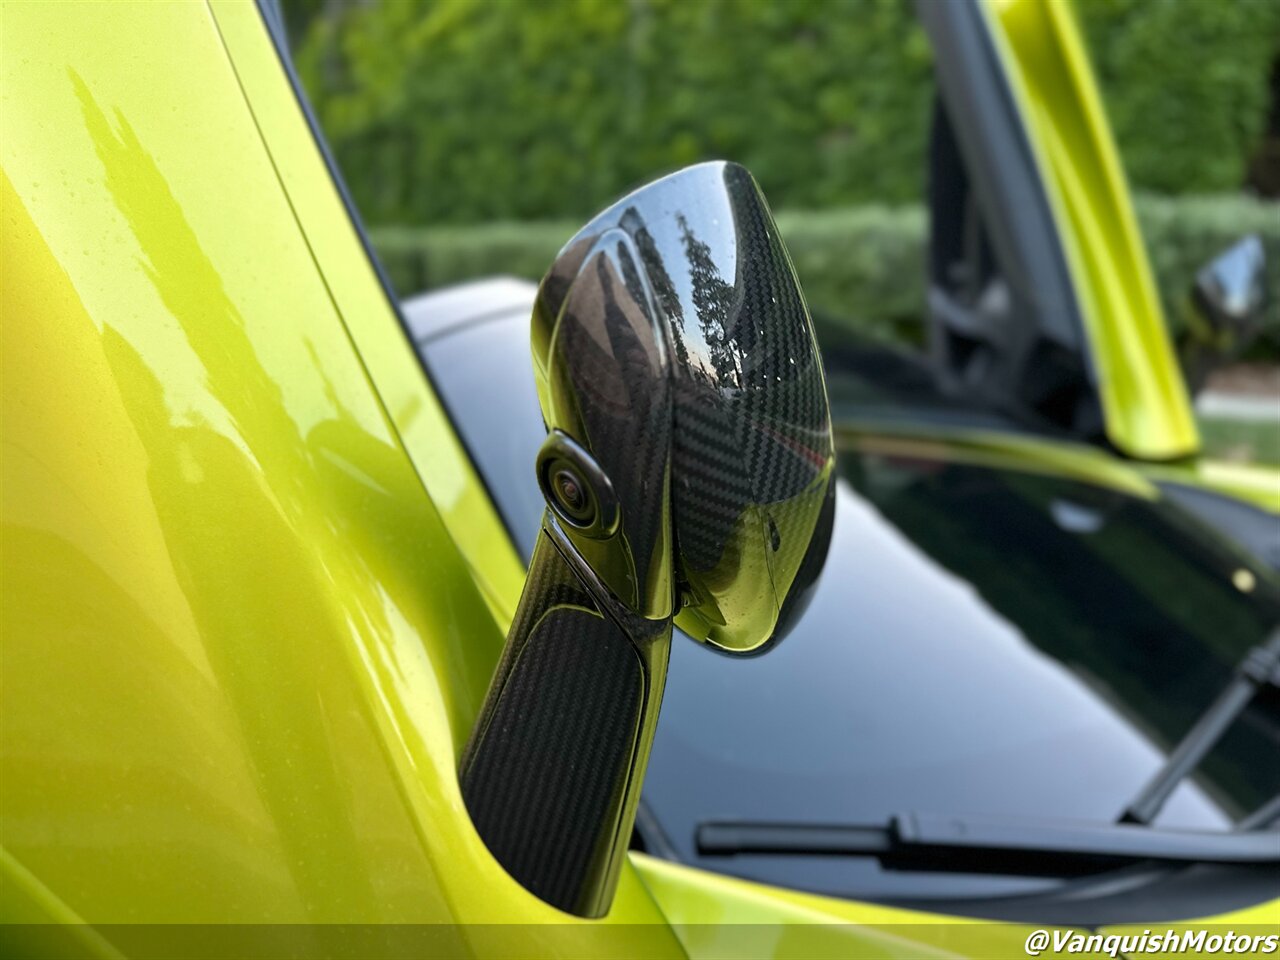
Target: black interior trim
(1028, 348)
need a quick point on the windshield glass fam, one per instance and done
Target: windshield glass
(984, 642)
(985, 639)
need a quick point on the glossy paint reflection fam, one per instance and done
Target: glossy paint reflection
(239, 647)
(183, 670)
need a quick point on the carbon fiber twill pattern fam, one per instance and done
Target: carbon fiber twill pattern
(676, 364)
(672, 331)
(784, 424)
(606, 347)
(543, 780)
(758, 431)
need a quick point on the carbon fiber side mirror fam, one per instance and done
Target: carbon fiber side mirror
(688, 475)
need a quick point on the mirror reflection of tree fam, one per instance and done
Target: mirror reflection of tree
(715, 300)
(663, 288)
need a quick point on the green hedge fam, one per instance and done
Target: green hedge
(1185, 85)
(864, 265)
(462, 111)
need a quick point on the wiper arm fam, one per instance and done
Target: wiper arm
(1046, 848)
(1260, 668)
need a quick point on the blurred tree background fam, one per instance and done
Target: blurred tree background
(476, 135)
(462, 111)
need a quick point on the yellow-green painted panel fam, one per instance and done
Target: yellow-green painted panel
(717, 916)
(239, 643)
(416, 413)
(1256, 923)
(723, 917)
(1002, 451)
(1144, 399)
(1255, 483)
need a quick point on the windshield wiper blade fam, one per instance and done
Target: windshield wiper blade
(1050, 848)
(1259, 668)
(1265, 816)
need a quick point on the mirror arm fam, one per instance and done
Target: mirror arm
(552, 773)
(688, 448)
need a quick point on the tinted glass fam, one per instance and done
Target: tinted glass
(982, 641)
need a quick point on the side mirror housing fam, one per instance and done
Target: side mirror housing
(1227, 303)
(688, 472)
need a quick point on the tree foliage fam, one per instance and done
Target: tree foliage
(1186, 85)
(863, 266)
(458, 111)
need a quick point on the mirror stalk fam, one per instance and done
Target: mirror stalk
(688, 473)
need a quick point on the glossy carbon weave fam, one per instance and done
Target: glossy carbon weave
(751, 454)
(545, 776)
(687, 472)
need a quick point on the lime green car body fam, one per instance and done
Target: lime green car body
(1145, 402)
(253, 589)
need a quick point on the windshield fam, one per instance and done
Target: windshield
(997, 641)
(982, 642)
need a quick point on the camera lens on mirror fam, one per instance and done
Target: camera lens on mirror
(577, 490)
(571, 494)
